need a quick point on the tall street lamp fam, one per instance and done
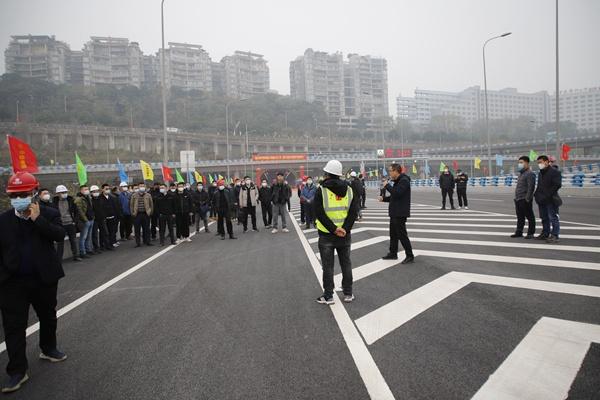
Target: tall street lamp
(163, 89)
(558, 149)
(487, 122)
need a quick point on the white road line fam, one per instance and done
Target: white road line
(457, 232)
(363, 243)
(71, 306)
(498, 201)
(376, 385)
(409, 223)
(545, 363)
(376, 266)
(391, 316)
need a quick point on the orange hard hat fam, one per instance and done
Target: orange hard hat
(22, 182)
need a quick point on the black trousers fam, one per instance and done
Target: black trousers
(100, 234)
(249, 211)
(112, 227)
(461, 193)
(182, 222)
(327, 245)
(154, 225)
(125, 226)
(224, 219)
(363, 198)
(302, 213)
(141, 224)
(450, 193)
(309, 212)
(16, 295)
(267, 213)
(524, 209)
(165, 222)
(72, 234)
(398, 232)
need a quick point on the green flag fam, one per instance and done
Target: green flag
(81, 171)
(178, 176)
(532, 155)
(442, 166)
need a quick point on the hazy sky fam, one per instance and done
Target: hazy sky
(429, 44)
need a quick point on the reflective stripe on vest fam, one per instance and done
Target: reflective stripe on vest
(336, 208)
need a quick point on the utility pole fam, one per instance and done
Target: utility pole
(558, 150)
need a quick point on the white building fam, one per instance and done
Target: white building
(112, 61)
(187, 66)
(581, 106)
(41, 57)
(245, 75)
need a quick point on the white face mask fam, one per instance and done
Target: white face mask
(264, 184)
(163, 191)
(142, 189)
(172, 190)
(180, 190)
(96, 194)
(64, 195)
(86, 192)
(221, 187)
(309, 182)
(541, 166)
(107, 191)
(45, 197)
(200, 187)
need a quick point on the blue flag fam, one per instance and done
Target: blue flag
(499, 160)
(384, 172)
(122, 174)
(190, 178)
(427, 169)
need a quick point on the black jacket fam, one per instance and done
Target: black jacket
(461, 181)
(357, 187)
(72, 207)
(222, 201)
(340, 188)
(265, 195)
(280, 194)
(164, 204)
(46, 230)
(399, 198)
(201, 200)
(446, 181)
(183, 202)
(549, 181)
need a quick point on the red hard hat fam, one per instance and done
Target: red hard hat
(22, 182)
(221, 182)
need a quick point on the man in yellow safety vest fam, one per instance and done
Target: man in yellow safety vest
(336, 208)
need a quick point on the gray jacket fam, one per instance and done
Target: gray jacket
(525, 185)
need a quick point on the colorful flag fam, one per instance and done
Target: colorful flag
(199, 178)
(362, 169)
(166, 173)
(220, 177)
(122, 174)
(384, 171)
(454, 165)
(147, 172)
(427, 169)
(442, 166)
(81, 170)
(23, 158)
(210, 178)
(499, 160)
(178, 176)
(532, 155)
(414, 169)
(477, 163)
(565, 151)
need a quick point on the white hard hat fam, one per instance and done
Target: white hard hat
(334, 167)
(61, 189)
(123, 184)
(353, 174)
(93, 188)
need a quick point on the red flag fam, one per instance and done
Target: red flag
(23, 158)
(166, 173)
(455, 165)
(565, 151)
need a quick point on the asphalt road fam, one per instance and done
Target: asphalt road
(237, 319)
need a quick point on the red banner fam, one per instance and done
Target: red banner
(279, 157)
(565, 151)
(166, 173)
(23, 158)
(400, 153)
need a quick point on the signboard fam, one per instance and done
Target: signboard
(279, 157)
(395, 153)
(188, 160)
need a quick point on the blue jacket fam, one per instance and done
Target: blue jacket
(124, 199)
(308, 192)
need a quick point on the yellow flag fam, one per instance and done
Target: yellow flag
(198, 177)
(414, 169)
(477, 162)
(147, 172)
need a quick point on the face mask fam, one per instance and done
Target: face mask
(187, 187)
(248, 183)
(520, 166)
(107, 191)
(180, 190)
(86, 192)
(20, 204)
(309, 182)
(142, 189)
(200, 187)
(541, 166)
(64, 195)
(163, 191)
(446, 171)
(45, 197)
(172, 190)
(96, 194)
(264, 184)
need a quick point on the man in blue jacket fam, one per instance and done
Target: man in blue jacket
(399, 211)
(307, 197)
(29, 274)
(125, 221)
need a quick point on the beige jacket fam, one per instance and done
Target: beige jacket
(244, 197)
(134, 203)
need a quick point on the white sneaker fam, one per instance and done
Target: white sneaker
(188, 239)
(286, 230)
(466, 208)
(178, 241)
(274, 230)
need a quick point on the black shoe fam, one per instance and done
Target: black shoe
(390, 256)
(217, 234)
(408, 260)
(53, 356)
(443, 208)
(109, 249)
(542, 236)
(453, 208)
(325, 300)
(138, 245)
(85, 256)
(529, 236)
(552, 239)
(206, 231)
(245, 230)
(149, 244)
(232, 237)
(516, 235)
(14, 383)
(173, 243)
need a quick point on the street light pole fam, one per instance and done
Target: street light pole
(163, 88)
(487, 122)
(558, 152)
